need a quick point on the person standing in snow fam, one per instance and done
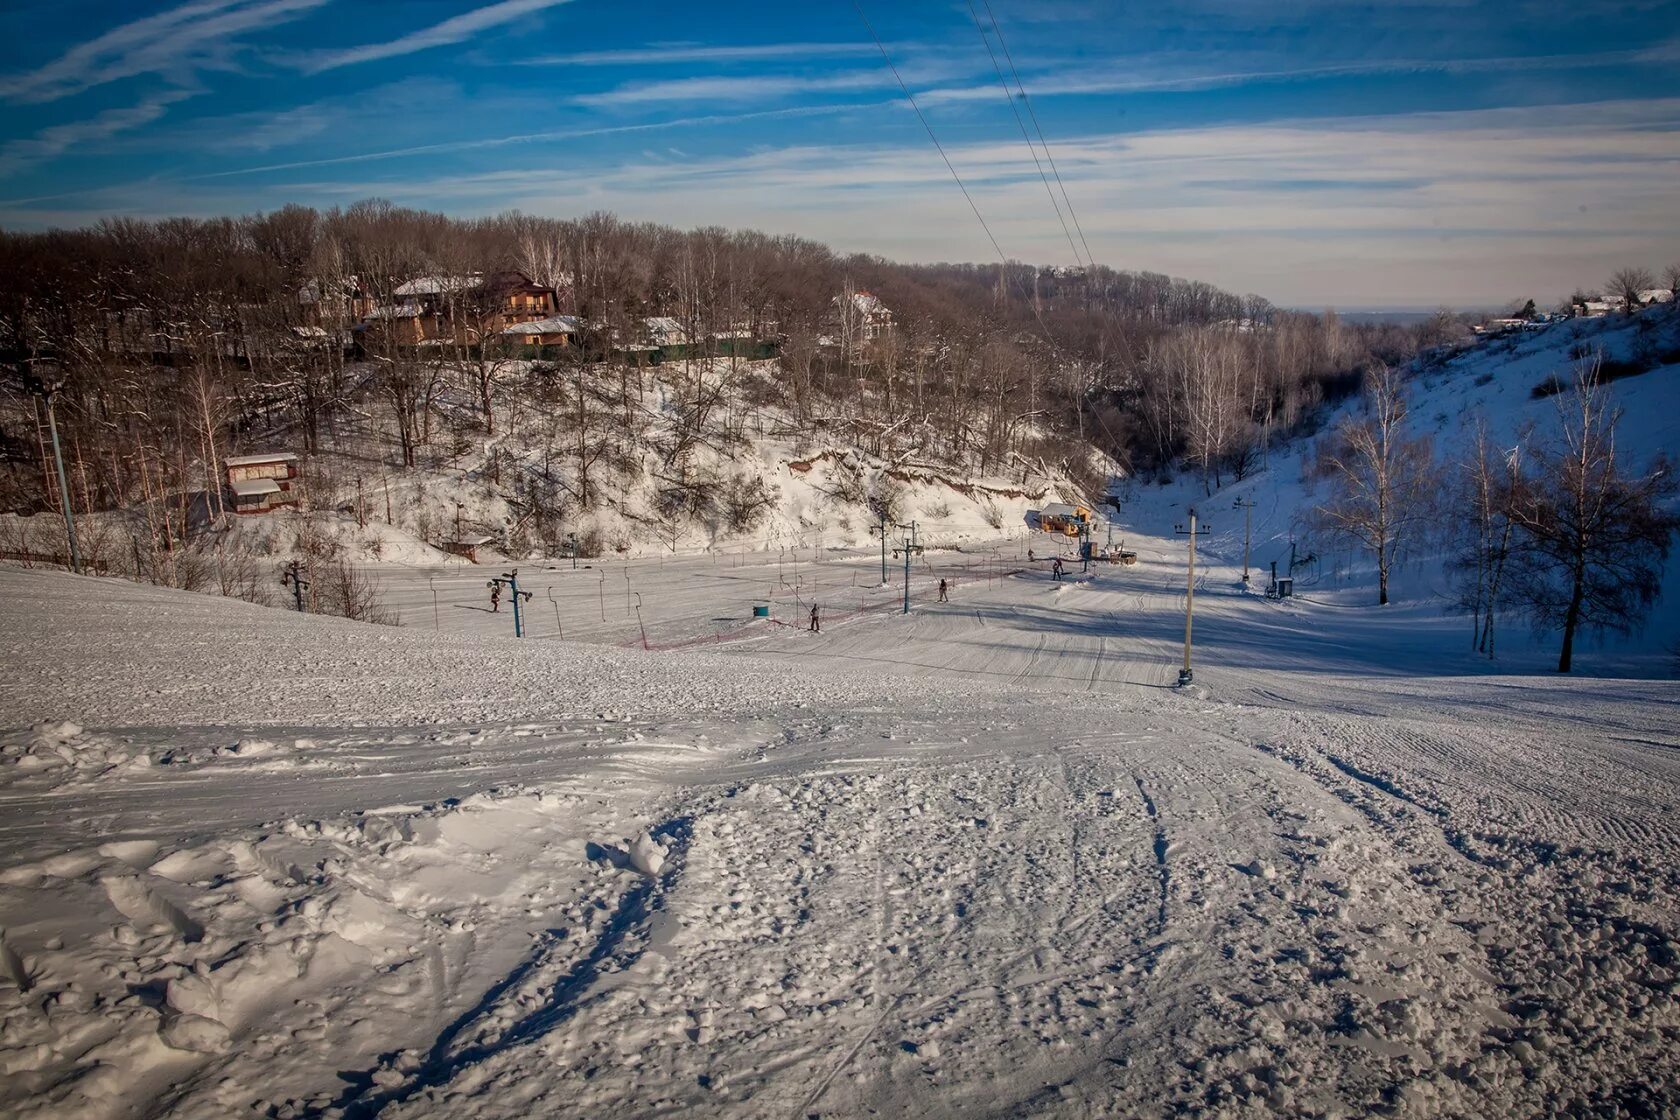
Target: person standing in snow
(1056, 569)
(816, 623)
(495, 598)
(942, 595)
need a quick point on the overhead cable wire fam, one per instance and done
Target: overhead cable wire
(998, 31)
(1021, 123)
(1038, 314)
(882, 47)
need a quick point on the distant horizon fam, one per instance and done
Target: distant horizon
(1398, 157)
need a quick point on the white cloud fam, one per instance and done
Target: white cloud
(1467, 208)
(174, 43)
(665, 55)
(1455, 207)
(452, 30)
(1128, 75)
(758, 88)
(24, 152)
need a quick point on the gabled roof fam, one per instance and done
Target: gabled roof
(396, 311)
(869, 303)
(265, 457)
(554, 324)
(512, 281)
(435, 285)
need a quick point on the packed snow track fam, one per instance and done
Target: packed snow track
(979, 861)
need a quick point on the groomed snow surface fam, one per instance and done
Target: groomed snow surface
(980, 860)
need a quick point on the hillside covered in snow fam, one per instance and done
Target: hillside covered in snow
(713, 733)
(980, 859)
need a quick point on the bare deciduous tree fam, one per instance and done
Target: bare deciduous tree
(1599, 537)
(1491, 488)
(1626, 285)
(1382, 480)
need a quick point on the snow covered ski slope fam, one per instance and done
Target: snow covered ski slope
(979, 860)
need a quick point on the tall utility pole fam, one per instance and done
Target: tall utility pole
(511, 581)
(911, 547)
(1248, 520)
(293, 577)
(47, 389)
(1185, 675)
(879, 529)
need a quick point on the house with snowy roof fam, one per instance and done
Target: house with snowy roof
(463, 309)
(872, 318)
(861, 320)
(263, 481)
(541, 338)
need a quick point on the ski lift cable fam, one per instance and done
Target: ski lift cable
(1021, 123)
(1044, 327)
(1038, 314)
(882, 47)
(998, 31)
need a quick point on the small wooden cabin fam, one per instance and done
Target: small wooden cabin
(467, 547)
(262, 482)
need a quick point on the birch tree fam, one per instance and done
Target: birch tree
(1491, 489)
(1382, 481)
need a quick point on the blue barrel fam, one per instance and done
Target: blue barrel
(761, 611)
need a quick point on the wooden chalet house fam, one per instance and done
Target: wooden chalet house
(463, 310)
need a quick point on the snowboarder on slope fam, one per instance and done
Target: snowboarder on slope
(495, 598)
(942, 590)
(816, 623)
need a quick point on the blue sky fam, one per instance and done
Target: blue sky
(1317, 152)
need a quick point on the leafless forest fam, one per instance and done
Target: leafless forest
(172, 344)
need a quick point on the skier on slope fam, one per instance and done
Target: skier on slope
(1056, 569)
(942, 589)
(495, 598)
(816, 623)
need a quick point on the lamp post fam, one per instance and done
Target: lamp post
(910, 548)
(1247, 506)
(1185, 675)
(879, 529)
